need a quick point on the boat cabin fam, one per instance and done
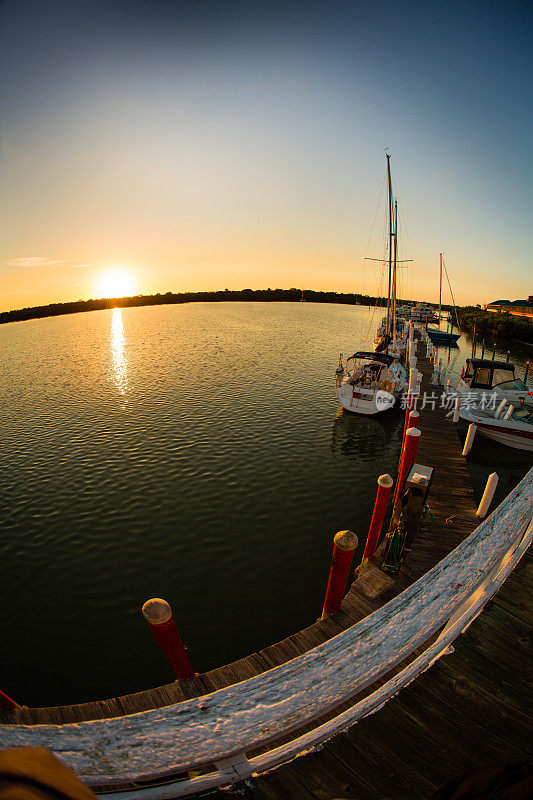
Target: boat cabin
(368, 367)
(482, 373)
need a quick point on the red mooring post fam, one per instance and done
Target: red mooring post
(411, 400)
(158, 615)
(410, 446)
(385, 483)
(7, 703)
(344, 544)
(412, 421)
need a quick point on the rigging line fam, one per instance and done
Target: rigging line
(406, 230)
(374, 309)
(372, 231)
(450, 286)
(411, 289)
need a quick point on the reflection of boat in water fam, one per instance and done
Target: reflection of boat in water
(366, 440)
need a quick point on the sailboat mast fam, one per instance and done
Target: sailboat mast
(390, 241)
(395, 255)
(440, 289)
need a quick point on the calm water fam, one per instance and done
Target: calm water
(192, 452)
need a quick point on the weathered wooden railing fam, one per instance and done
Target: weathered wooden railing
(221, 728)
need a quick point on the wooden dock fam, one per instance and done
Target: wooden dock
(471, 710)
(453, 510)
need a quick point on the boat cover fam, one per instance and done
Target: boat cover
(383, 358)
(489, 364)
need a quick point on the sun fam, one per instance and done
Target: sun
(116, 283)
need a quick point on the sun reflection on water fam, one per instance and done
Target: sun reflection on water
(120, 365)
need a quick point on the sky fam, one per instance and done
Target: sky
(155, 146)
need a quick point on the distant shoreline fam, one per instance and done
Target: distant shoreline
(171, 298)
(488, 325)
(498, 326)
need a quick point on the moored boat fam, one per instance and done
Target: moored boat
(398, 339)
(376, 379)
(371, 384)
(437, 335)
(485, 383)
(418, 313)
(516, 431)
(440, 337)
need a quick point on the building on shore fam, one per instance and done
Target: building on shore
(520, 308)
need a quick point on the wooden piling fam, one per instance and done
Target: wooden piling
(158, 615)
(7, 703)
(410, 446)
(457, 409)
(385, 484)
(411, 398)
(469, 441)
(488, 494)
(344, 544)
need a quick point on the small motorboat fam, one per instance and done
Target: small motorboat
(372, 383)
(485, 383)
(513, 428)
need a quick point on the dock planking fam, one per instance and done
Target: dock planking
(453, 509)
(461, 715)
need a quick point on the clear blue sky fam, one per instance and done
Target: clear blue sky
(182, 146)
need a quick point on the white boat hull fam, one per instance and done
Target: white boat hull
(371, 386)
(359, 401)
(492, 397)
(520, 436)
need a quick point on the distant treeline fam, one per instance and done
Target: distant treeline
(257, 295)
(491, 325)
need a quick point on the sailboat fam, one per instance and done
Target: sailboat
(372, 381)
(438, 336)
(393, 331)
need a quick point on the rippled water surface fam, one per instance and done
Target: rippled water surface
(192, 452)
